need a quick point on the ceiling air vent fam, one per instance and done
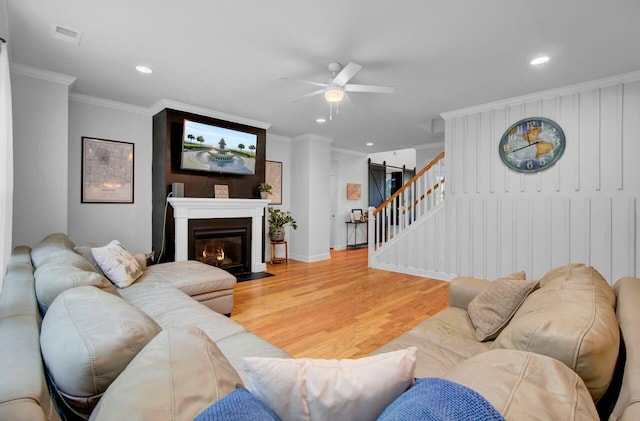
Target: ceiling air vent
(66, 34)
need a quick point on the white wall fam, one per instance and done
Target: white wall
(40, 119)
(4, 21)
(426, 153)
(396, 158)
(310, 171)
(584, 209)
(100, 223)
(349, 167)
(279, 149)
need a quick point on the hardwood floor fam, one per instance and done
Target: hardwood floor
(338, 308)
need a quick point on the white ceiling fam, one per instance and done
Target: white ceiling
(227, 55)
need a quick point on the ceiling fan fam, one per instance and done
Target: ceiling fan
(334, 91)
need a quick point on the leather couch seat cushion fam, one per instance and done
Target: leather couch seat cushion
(195, 278)
(443, 340)
(572, 319)
(526, 386)
(175, 377)
(170, 307)
(88, 337)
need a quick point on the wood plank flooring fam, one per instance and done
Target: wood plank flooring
(338, 308)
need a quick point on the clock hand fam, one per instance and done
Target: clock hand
(530, 144)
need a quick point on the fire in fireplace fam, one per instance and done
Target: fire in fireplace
(223, 248)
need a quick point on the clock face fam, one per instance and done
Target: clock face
(532, 145)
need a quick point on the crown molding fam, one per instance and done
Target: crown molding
(429, 146)
(278, 138)
(349, 152)
(24, 70)
(551, 93)
(175, 105)
(107, 103)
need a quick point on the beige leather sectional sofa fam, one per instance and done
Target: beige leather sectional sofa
(556, 358)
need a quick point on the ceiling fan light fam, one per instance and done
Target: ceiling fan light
(334, 94)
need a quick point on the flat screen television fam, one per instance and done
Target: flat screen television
(210, 148)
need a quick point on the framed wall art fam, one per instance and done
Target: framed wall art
(107, 171)
(354, 191)
(273, 177)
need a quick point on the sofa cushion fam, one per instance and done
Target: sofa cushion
(56, 280)
(492, 309)
(443, 340)
(526, 386)
(238, 405)
(50, 244)
(570, 318)
(117, 263)
(176, 376)
(85, 251)
(88, 337)
(62, 270)
(195, 278)
(310, 389)
(67, 258)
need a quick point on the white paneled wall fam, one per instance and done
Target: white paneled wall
(583, 209)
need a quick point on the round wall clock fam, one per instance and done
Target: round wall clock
(532, 145)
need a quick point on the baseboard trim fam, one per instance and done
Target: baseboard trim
(415, 271)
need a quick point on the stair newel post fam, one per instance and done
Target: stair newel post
(372, 228)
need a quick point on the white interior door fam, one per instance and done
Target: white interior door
(333, 193)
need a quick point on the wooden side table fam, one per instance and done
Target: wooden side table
(274, 258)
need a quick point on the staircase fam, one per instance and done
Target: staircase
(399, 227)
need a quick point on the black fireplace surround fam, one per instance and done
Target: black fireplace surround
(224, 243)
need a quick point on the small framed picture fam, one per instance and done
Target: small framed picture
(357, 214)
(221, 191)
(354, 191)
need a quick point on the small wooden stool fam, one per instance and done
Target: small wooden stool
(274, 258)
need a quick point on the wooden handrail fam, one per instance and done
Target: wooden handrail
(408, 183)
(422, 197)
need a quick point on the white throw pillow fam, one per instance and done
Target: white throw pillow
(117, 264)
(310, 389)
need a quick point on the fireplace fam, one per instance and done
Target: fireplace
(188, 211)
(224, 243)
(225, 249)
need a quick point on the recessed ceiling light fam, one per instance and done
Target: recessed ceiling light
(539, 60)
(144, 69)
(321, 120)
(369, 143)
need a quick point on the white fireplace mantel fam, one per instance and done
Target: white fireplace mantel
(185, 208)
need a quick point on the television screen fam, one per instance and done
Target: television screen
(216, 149)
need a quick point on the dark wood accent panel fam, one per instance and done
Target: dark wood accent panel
(167, 144)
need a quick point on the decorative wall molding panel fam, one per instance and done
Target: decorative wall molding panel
(583, 209)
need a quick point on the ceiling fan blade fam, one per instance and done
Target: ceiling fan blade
(319, 91)
(308, 82)
(349, 71)
(370, 88)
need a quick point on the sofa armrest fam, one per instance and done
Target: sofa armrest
(627, 291)
(141, 258)
(463, 289)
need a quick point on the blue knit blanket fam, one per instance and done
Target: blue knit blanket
(433, 399)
